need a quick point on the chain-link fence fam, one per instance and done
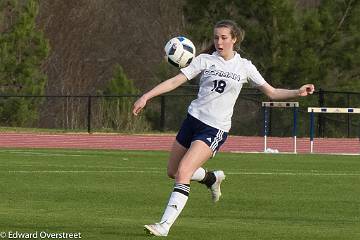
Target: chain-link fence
(166, 113)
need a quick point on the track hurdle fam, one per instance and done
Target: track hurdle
(267, 105)
(313, 110)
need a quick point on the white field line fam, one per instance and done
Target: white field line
(81, 171)
(99, 168)
(163, 171)
(294, 173)
(30, 153)
(80, 153)
(303, 153)
(27, 153)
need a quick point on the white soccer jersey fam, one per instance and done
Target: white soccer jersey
(220, 85)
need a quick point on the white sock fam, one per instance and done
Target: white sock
(176, 204)
(198, 175)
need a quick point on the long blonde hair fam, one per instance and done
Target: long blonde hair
(235, 31)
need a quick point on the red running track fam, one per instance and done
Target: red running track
(164, 142)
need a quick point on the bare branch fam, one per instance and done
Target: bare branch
(348, 8)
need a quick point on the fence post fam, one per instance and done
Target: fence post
(321, 119)
(348, 115)
(89, 114)
(269, 122)
(162, 113)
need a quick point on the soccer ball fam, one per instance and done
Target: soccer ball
(179, 51)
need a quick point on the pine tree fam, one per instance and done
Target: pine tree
(115, 113)
(289, 44)
(23, 48)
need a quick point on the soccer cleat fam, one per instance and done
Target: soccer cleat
(156, 230)
(215, 188)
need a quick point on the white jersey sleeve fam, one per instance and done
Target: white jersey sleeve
(254, 77)
(196, 66)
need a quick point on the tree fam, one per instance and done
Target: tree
(290, 45)
(23, 48)
(332, 31)
(270, 31)
(116, 112)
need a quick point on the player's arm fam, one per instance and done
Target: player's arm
(280, 94)
(161, 88)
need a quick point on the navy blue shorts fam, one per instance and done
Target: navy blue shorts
(193, 129)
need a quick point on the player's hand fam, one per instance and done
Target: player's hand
(139, 105)
(306, 90)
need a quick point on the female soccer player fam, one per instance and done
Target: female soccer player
(223, 72)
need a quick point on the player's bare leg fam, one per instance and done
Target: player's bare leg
(194, 160)
(177, 153)
(195, 157)
(212, 179)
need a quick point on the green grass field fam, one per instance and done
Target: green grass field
(112, 194)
